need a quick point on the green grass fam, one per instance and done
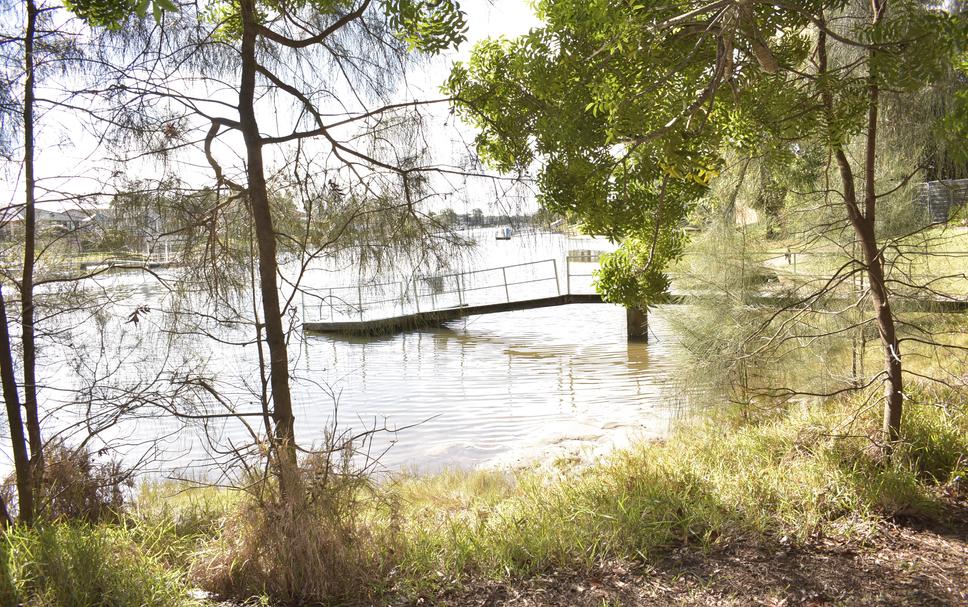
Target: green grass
(795, 475)
(806, 473)
(77, 565)
(142, 560)
(935, 256)
(177, 519)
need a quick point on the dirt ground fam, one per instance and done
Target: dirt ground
(901, 564)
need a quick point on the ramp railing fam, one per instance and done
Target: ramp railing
(428, 293)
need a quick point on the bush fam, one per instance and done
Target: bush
(78, 487)
(75, 486)
(331, 543)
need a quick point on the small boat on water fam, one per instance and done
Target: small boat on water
(503, 233)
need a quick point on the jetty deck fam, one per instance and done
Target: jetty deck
(429, 300)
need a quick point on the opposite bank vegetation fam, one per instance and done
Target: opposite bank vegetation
(804, 474)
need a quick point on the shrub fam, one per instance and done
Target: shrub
(328, 544)
(78, 487)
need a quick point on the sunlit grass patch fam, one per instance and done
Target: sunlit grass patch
(81, 565)
(193, 509)
(453, 490)
(177, 519)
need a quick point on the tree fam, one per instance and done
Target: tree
(448, 218)
(629, 109)
(426, 25)
(30, 254)
(281, 54)
(622, 155)
(38, 40)
(41, 48)
(22, 468)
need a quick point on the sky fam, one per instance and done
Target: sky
(71, 149)
(486, 19)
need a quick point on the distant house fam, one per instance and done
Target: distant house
(135, 227)
(10, 222)
(103, 218)
(56, 221)
(940, 199)
(47, 221)
(68, 221)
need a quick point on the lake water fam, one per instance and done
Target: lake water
(490, 390)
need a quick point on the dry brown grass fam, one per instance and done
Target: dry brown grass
(331, 543)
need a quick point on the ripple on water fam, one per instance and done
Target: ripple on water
(489, 388)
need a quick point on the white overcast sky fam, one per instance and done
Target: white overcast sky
(499, 18)
(67, 149)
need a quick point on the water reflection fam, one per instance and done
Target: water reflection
(492, 388)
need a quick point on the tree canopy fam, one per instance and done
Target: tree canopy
(627, 108)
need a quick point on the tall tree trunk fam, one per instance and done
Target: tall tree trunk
(27, 282)
(863, 223)
(282, 416)
(18, 441)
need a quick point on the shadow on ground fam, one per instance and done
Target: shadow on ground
(901, 564)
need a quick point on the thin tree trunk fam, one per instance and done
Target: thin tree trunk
(282, 416)
(18, 441)
(27, 282)
(893, 385)
(893, 388)
(863, 224)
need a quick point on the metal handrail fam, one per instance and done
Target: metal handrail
(410, 290)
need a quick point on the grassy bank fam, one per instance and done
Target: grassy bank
(793, 477)
(800, 475)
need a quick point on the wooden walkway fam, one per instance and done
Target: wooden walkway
(433, 317)
(430, 300)
(423, 301)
